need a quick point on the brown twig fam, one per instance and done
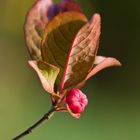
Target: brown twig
(47, 116)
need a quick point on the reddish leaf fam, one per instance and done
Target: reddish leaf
(58, 37)
(35, 23)
(102, 63)
(82, 54)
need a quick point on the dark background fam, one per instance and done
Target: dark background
(113, 112)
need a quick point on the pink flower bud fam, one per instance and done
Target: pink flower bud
(76, 100)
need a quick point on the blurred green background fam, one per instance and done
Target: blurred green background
(113, 112)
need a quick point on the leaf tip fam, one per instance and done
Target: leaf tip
(114, 61)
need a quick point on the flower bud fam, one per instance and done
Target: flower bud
(64, 6)
(53, 11)
(76, 100)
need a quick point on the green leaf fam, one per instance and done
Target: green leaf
(58, 37)
(47, 74)
(35, 23)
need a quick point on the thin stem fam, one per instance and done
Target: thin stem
(47, 116)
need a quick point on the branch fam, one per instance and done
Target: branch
(47, 116)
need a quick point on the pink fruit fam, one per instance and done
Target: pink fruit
(76, 100)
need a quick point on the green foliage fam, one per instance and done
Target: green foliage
(47, 74)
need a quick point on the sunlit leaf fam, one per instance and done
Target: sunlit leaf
(35, 23)
(102, 63)
(58, 37)
(83, 52)
(47, 74)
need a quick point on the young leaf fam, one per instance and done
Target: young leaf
(58, 37)
(63, 6)
(47, 74)
(102, 63)
(70, 5)
(35, 23)
(82, 54)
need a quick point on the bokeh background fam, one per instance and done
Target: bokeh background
(113, 112)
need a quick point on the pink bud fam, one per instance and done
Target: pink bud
(76, 100)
